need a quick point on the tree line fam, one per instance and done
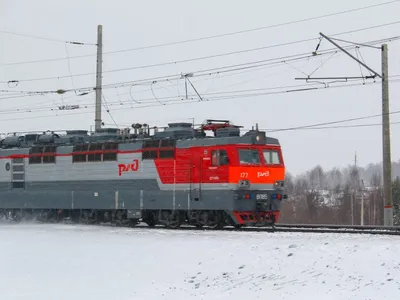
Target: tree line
(335, 196)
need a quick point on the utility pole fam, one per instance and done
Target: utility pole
(387, 160)
(355, 188)
(362, 202)
(355, 159)
(352, 210)
(97, 118)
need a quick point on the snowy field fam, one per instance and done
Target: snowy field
(73, 262)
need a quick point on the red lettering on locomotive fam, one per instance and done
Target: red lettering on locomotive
(133, 167)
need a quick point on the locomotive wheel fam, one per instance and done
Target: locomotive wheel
(171, 219)
(211, 219)
(150, 218)
(88, 217)
(18, 216)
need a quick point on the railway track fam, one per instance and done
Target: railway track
(327, 228)
(305, 228)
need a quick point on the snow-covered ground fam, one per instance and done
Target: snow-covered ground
(73, 262)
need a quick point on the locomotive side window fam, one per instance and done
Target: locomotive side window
(77, 155)
(219, 158)
(149, 154)
(110, 152)
(271, 157)
(49, 155)
(35, 156)
(167, 149)
(167, 153)
(95, 156)
(247, 156)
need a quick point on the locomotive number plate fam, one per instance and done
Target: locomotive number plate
(262, 197)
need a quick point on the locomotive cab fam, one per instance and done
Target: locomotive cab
(259, 174)
(251, 166)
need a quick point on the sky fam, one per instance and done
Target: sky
(247, 94)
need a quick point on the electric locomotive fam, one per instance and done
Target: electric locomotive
(178, 175)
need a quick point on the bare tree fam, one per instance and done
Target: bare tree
(317, 178)
(335, 180)
(307, 191)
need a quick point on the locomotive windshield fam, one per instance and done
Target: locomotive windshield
(271, 157)
(247, 156)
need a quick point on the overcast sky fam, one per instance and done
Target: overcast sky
(133, 24)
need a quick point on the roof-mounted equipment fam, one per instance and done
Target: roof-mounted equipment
(221, 128)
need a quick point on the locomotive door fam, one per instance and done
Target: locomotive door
(195, 180)
(218, 167)
(200, 164)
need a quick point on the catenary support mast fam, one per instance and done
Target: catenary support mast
(386, 152)
(387, 160)
(97, 119)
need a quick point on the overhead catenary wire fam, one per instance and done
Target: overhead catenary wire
(246, 129)
(104, 102)
(316, 126)
(179, 101)
(210, 95)
(220, 98)
(41, 92)
(214, 96)
(240, 66)
(333, 127)
(147, 100)
(206, 72)
(275, 129)
(208, 37)
(47, 38)
(208, 56)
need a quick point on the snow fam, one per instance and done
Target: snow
(88, 262)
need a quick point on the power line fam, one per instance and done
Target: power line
(47, 39)
(317, 125)
(214, 36)
(254, 64)
(207, 72)
(234, 93)
(213, 56)
(259, 63)
(337, 127)
(312, 126)
(108, 110)
(210, 96)
(179, 101)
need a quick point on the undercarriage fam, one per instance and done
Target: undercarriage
(212, 219)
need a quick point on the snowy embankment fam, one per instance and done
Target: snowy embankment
(84, 262)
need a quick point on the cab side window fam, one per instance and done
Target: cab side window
(271, 157)
(219, 158)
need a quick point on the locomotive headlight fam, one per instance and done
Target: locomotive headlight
(280, 183)
(244, 184)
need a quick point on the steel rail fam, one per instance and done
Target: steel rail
(303, 228)
(299, 228)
